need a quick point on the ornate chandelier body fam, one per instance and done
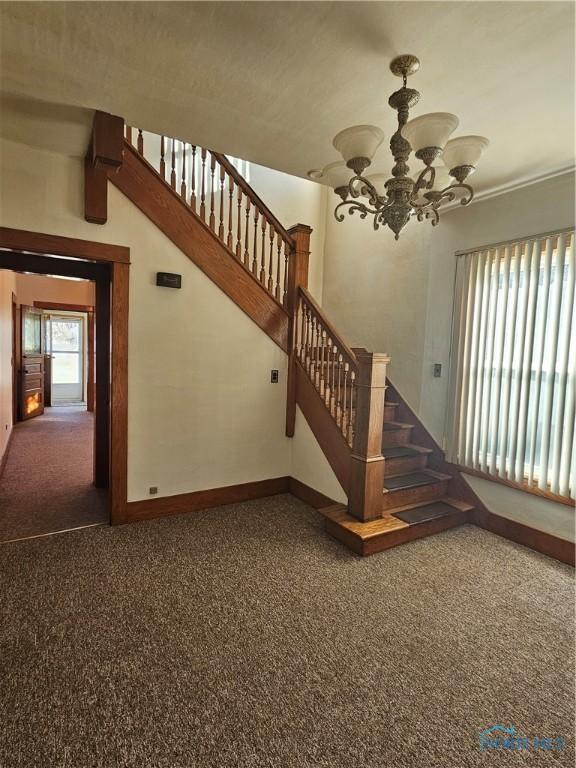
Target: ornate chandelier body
(394, 201)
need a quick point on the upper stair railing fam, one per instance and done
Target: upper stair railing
(210, 185)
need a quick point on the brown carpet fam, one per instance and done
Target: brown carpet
(47, 482)
(244, 637)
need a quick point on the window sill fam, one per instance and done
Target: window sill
(548, 495)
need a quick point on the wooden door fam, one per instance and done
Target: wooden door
(31, 363)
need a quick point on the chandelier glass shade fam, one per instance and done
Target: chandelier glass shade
(392, 201)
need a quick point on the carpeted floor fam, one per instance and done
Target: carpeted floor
(244, 637)
(47, 482)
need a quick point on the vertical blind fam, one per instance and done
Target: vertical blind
(513, 364)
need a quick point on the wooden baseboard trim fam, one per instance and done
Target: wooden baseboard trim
(147, 509)
(309, 495)
(4, 458)
(546, 543)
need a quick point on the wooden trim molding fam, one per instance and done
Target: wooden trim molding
(165, 208)
(4, 457)
(58, 306)
(148, 509)
(546, 543)
(40, 242)
(309, 495)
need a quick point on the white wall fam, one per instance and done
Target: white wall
(397, 296)
(7, 287)
(309, 465)
(202, 411)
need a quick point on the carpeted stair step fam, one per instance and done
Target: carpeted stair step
(402, 459)
(396, 433)
(424, 513)
(414, 487)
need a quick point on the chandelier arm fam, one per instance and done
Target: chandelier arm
(422, 182)
(352, 208)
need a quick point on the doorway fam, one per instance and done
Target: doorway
(77, 343)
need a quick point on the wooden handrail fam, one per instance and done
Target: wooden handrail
(247, 189)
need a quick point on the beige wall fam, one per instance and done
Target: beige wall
(202, 411)
(31, 288)
(397, 296)
(7, 287)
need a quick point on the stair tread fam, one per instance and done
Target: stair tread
(430, 511)
(402, 451)
(389, 426)
(413, 480)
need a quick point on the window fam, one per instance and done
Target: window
(513, 374)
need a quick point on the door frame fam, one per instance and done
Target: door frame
(88, 310)
(34, 252)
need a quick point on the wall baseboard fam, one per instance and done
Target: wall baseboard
(309, 495)
(148, 509)
(546, 543)
(4, 457)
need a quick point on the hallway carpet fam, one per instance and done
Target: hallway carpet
(47, 481)
(244, 637)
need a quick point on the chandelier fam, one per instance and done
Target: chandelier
(394, 201)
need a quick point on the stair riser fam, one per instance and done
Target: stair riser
(405, 464)
(389, 413)
(394, 437)
(414, 495)
(380, 543)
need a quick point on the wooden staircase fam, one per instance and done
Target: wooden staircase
(398, 485)
(416, 500)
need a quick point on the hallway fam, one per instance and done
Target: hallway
(47, 481)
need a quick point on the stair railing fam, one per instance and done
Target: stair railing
(331, 365)
(209, 184)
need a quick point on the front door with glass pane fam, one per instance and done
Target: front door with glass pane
(66, 346)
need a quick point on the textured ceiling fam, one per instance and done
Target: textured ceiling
(273, 82)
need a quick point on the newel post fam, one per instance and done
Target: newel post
(297, 277)
(367, 463)
(103, 157)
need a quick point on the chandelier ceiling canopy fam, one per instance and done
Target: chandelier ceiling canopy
(393, 201)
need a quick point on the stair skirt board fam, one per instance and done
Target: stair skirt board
(424, 514)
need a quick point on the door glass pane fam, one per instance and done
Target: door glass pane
(66, 368)
(32, 325)
(65, 335)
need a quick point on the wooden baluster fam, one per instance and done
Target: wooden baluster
(263, 252)
(278, 265)
(318, 373)
(183, 183)
(303, 336)
(333, 401)
(230, 238)
(129, 134)
(212, 174)
(221, 224)
(140, 142)
(162, 158)
(285, 291)
(350, 430)
(203, 186)
(173, 171)
(247, 235)
(328, 363)
(255, 251)
(307, 341)
(193, 180)
(338, 413)
(312, 358)
(239, 231)
(270, 285)
(322, 379)
(343, 401)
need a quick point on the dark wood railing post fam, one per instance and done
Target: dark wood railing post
(104, 155)
(297, 278)
(367, 462)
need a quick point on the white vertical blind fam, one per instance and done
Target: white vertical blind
(512, 405)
